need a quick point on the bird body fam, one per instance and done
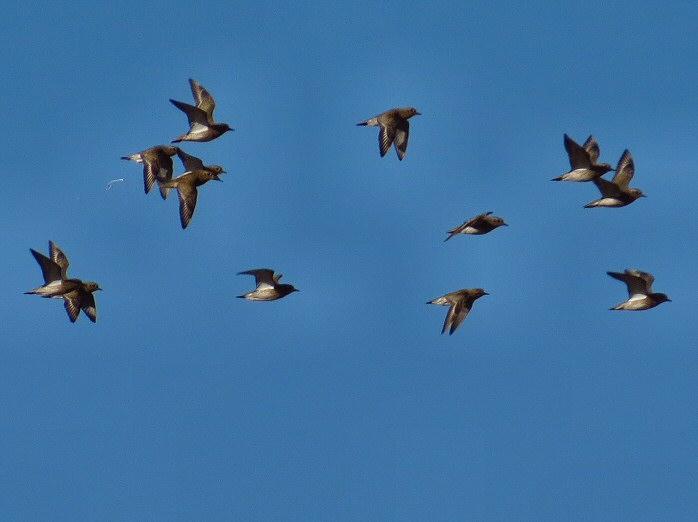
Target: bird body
(478, 225)
(617, 192)
(196, 175)
(268, 286)
(583, 166)
(76, 294)
(459, 302)
(640, 295)
(157, 166)
(202, 127)
(394, 129)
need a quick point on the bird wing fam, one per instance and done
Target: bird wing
(478, 220)
(592, 148)
(475, 222)
(87, 303)
(204, 100)
(402, 134)
(625, 170)
(386, 136)
(50, 270)
(190, 162)
(165, 165)
(160, 170)
(150, 174)
(58, 257)
(637, 287)
(457, 313)
(197, 117)
(264, 277)
(187, 202)
(607, 188)
(72, 306)
(579, 158)
(646, 277)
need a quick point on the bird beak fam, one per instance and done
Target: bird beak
(417, 113)
(505, 224)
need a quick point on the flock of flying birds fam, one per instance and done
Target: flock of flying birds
(394, 131)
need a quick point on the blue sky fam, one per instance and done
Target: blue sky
(343, 402)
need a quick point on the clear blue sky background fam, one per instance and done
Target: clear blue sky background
(343, 402)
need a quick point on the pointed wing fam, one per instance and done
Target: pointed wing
(87, 303)
(625, 170)
(50, 270)
(194, 114)
(187, 202)
(457, 313)
(190, 162)
(165, 165)
(150, 174)
(646, 278)
(204, 100)
(579, 158)
(160, 169)
(475, 222)
(58, 257)
(385, 139)
(637, 286)
(607, 188)
(402, 134)
(72, 306)
(264, 277)
(458, 309)
(592, 148)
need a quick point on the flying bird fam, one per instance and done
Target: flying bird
(583, 161)
(617, 192)
(394, 129)
(202, 127)
(268, 286)
(196, 175)
(76, 294)
(157, 166)
(480, 224)
(640, 292)
(459, 302)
